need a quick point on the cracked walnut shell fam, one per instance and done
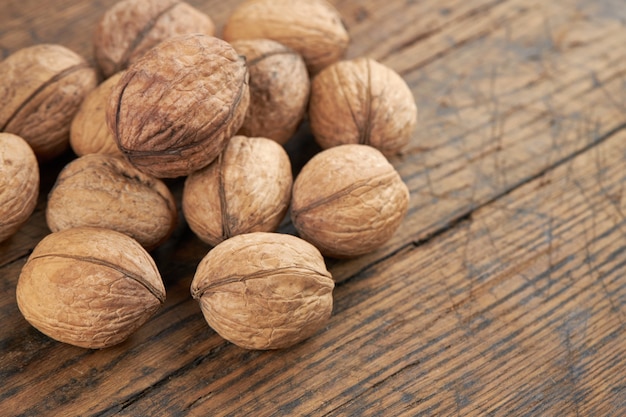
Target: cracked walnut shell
(89, 287)
(362, 101)
(173, 110)
(348, 200)
(264, 290)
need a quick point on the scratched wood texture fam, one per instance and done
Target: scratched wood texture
(504, 291)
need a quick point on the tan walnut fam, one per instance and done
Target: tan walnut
(362, 101)
(279, 89)
(106, 191)
(89, 287)
(19, 183)
(131, 27)
(348, 200)
(173, 110)
(89, 132)
(264, 290)
(42, 87)
(313, 28)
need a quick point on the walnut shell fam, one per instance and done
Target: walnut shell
(348, 200)
(264, 290)
(362, 101)
(42, 87)
(89, 287)
(106, 191)
(131, 27)
(313, 28)
(279, 89)
(19, 183)
(173, 110)
(247, 189)
(89, 132)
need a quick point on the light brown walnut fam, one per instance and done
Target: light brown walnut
(42, 87)
(173, 110)
(106, 191)
(89, 287)
(279, 89)
(89, 132)
(131, 27)
(313, 28)
(19, 183)
(246, 189)
(348, 200)
(362, 101)
(264, 290)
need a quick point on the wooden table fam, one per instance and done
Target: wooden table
(504, 291)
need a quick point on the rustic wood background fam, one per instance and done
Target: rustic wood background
(504, 291)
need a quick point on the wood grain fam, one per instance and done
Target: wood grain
(503, 292)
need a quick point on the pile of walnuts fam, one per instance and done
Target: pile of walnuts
(169, 99)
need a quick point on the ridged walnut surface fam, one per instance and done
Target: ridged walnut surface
(247, 189)
(264, 290)
(313, 28)
(89, 132)
(279, 89)
(107, 191)
(362, 101)
(173, 110)
(19, 183)
(131, 27)
(42, 87)
(348, 200)
(89, 287)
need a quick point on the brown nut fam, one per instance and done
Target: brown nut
(279, 89)
(89, 287)
(19, 183)
(362, 101)
(173, 110)
(107, 191)
(89, 132)
(131, 27)
(264, 290)
(348, 200)
(313, 28)
(42, 87)
(247, 189)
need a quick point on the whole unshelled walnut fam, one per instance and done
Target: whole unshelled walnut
(246, 189)
(19, 183)
(89, 132)
(173, 110)
(89, 287)
(42, 87)
(362, 101)
(107, 191)
(313, 28)
(348, 200)
(131, 27)
(264, 290)
(279, 89)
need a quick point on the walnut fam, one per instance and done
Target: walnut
(247, 189)
(89, 132)
(19, 183)
(106, 191)
(279, 89)
(42, 87)
(264, 290)
(313, 28)
(173, 110)
(362, 101)
(348, 200)
(131, 27)
(89, 287)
